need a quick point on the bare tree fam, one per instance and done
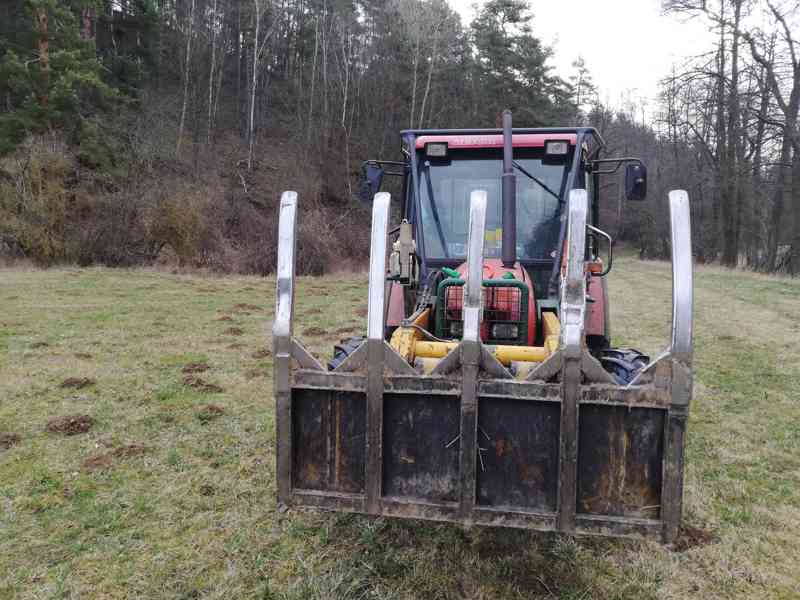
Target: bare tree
(186, 74)
(215, 23)
(788, 193)
(259, 7)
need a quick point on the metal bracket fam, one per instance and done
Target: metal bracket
(610, 242)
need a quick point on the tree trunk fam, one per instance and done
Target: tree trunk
(44, 56)
(251, 131)
(210, 116)
(794, 264)
(239, 59)
(87, 18)
(732, 197)
(313, 85)
(186, 71)
(430, 75)
(782, 198)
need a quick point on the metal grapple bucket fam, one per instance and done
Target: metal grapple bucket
(565, 449)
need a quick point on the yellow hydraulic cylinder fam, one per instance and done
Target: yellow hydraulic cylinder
(504, 354)
(433, 349)
(509, 354)
(552, 331)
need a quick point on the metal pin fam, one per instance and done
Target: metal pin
(455, 439)
(480, 457)
(486, 435)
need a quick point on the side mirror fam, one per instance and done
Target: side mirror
(372, 178)
(636, 181)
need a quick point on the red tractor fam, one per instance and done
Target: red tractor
(486, 391)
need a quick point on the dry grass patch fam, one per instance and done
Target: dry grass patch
(244, 307)
(196, 510)
(314, 331)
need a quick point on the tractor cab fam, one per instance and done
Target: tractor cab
(527, 175)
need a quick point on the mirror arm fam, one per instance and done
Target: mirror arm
(617, 162)
(390, 163)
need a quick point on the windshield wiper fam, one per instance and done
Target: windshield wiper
(542, 184)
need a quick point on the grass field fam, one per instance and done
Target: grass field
(167, 490)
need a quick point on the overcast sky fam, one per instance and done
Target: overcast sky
(628, 45)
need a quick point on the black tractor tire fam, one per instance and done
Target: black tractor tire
(624, 364)
(344, 349)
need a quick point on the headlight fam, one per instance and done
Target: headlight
(556, 148)
(505, 331)
(436, 150)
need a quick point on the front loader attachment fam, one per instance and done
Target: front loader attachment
(563, 448)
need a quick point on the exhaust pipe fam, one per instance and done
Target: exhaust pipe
(509, 179)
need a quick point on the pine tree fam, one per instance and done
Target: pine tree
(50, 75)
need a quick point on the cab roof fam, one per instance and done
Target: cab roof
(493, 138)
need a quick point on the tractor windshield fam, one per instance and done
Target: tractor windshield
(445, 187)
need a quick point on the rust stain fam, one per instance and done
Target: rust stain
(311, 474)
(501, 448)
(405, 458)
(531, 474)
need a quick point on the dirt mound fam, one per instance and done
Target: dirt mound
(39, 345)
(70, 424)
(7, 440)
(346, 330)
(225, 318)
(313, 311)
(197, 383)
(209, 412)
(361, 312)
(236, 346)
(196, 367)
(77, 383)
(105, 461)
(83, 355)
(692, 537)
(259, 354)
(233, 331)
